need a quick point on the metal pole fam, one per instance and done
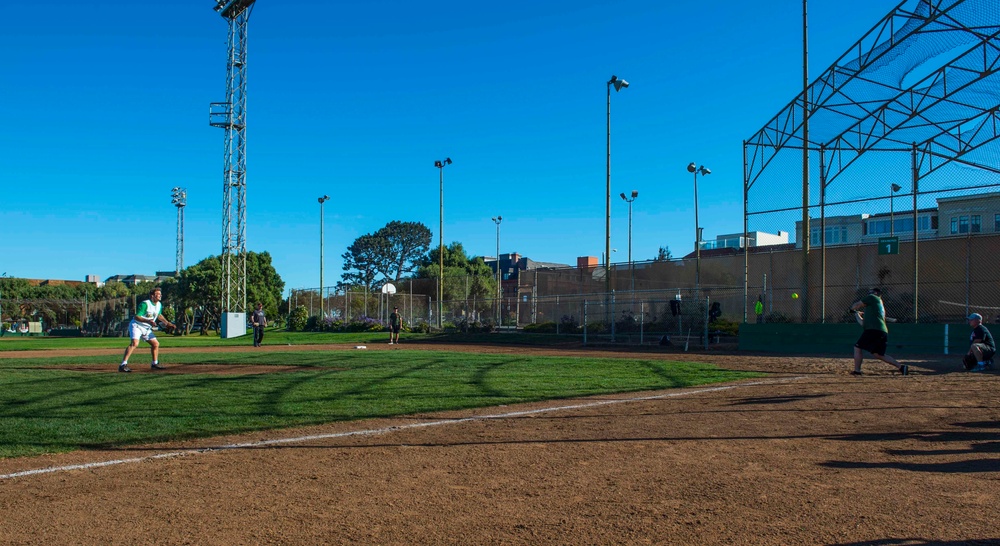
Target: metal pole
(822, 234)
(631, 270)
(497, 220)
(321, 200)
(916, 245)
(441, 246)
(805, 161)
(697, 236)
(607, 215)
(746, 238)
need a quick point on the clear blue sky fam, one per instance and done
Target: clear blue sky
(104, 108)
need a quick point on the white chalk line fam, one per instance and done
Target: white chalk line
(384, 430)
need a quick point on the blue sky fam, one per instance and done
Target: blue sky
(104, 108)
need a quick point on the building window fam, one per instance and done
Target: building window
(976, 224)
(834, 235)
(996, 222)
(959, 224)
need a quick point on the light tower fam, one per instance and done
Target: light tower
(179, 199)
(231, 116)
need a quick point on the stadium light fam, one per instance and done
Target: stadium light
(440, 165)
(631, 271)
(618, 84)
(892, 196)
(231, 9)
(322, 200)
(697, 230)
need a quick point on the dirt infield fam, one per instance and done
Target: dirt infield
(809, 455)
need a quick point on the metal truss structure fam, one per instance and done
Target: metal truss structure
(231, 116)
(858, 105)
(862, 106)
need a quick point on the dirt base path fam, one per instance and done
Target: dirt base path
(809, 455)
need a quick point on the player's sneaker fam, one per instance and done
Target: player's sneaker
(124, 368)
(979, 368)
(156, 366)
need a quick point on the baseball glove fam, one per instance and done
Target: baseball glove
(969, 361)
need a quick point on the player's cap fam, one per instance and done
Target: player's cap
(975, 316)
(877, 291)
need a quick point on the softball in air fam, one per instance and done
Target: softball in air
(795, 296)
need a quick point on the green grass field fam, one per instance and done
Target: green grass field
(44, 409)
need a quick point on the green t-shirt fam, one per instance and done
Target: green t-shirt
(395, 319)
(874, 318)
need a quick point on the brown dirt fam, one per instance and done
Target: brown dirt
(809, 455)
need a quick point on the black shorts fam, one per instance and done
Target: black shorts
(394, 328)
(873, 341)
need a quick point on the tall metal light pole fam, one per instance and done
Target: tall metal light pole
(321, 200)
(179, 199)
(631, 273)
(892, 196)
(697, 230)
(496, 220)
(618, 84)
(440, 165)
(231, 116)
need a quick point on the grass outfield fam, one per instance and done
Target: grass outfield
(277, 337)
(45, 409)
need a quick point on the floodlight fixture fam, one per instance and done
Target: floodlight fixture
(230, 9)
(617, 83)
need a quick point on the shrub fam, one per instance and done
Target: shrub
(725, 326)
(541, 328)
(298, 320)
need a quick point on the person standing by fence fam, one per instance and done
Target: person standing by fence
(259, 322)
(395, 324)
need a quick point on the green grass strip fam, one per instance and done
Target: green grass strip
(44, 409)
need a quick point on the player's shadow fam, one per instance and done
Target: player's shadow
(945, 365)
(951, 443)
(777, 399)
(919, 542)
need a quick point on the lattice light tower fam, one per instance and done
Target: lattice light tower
(231, 116)
(179, 199)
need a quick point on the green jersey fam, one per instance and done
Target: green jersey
(874, 318)
(149, 309)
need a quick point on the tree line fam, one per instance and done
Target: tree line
(193, 297)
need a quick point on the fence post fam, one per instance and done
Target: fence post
(584, 322)
(642, 313)
(707, 298)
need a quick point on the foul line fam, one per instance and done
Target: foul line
(372, 432)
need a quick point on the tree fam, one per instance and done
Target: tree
(200, 287)
(389, 253)
(663, 255)
(465, 278)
